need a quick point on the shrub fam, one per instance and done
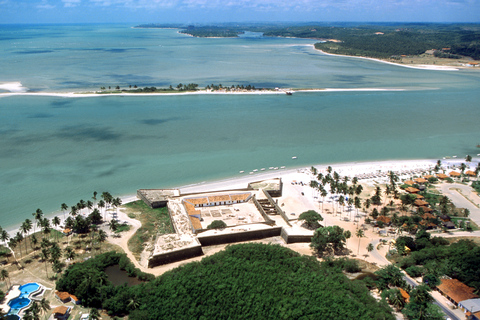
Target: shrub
(414, 271)
(217, 224)
(311, 218)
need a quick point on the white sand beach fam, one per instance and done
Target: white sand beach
(413, 66)
(16, 89)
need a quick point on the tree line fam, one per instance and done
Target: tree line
(243, 281)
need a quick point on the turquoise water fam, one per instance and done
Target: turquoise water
(55, 150)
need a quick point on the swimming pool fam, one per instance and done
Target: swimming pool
(23, 300)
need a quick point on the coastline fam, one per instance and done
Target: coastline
(296, 173)
(412, 66)
(16, 89)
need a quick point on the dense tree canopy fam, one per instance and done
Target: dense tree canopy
(245, 281)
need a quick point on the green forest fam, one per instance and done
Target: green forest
(245, 281)
(435, 256)
(372, 40)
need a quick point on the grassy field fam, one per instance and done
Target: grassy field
(154, 222)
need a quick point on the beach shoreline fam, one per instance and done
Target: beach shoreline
(411, 66)
(242, 180)
(19, 90)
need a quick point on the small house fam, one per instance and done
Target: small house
(61, 312)
(456, 291)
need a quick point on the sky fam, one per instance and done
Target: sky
(207, 11)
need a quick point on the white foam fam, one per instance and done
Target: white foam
(13, 87)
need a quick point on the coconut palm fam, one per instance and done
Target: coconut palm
(46, 229)
(12, 244)
(4, 276)
(73, 210)
(89, 205)
(113, 225)
(323, 193)
(102, 236)
(56, 222)
(396, 299)
(94, 196)
(69, 253)
(359, 234)
(33, 242)
(347, 234)
(370, 247)
(25, 228)
(107, 197)
(116, 202)
(44, 306)
(19, 238)
(44, 255)
(37, 215)
(4, 236)
(64, 208)
(101, 204)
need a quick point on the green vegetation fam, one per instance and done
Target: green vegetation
(311, 218)
(245, 281)
(154, 222)
(89, 282)
(392, 41)
(328, 240)
(217, 224)
(476, 186)
(375, 40)
(434, 256)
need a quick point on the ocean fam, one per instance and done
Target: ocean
(58, 149)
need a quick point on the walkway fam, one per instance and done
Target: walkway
(466, 198)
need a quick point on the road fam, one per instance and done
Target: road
(381, 260)
(460, 199)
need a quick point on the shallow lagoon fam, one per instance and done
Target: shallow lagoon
(55, 150)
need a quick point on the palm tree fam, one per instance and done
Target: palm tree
(46, 227)
(113, 225)
(359, 235)
(37, 215)
(102, 236)
(347, 234)
(4, 236)
(133, 303)
(44, 255)
(116, 202)
(89, 205)
(25, 227)
(33, 242)
(94, 196)
(12, 244)
(73, 210)
(69, 253)
(101, 204)
(4, 276)
(107, 197)
(19, 238)
(396, 299)
(44, 306)
(64, 208)
(370, 247)
(56, 222)
(324, 193)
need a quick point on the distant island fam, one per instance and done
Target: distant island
(411, 43)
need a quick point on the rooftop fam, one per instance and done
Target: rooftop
(456, 290)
